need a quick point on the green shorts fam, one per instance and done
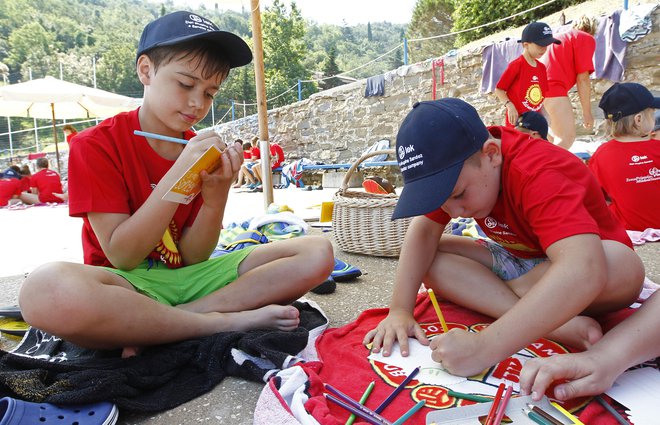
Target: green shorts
(189, 283)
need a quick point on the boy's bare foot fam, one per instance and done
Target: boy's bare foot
(127, 352)
(581, 332)
(280, 317)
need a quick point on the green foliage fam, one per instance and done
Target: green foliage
(430, 18)
(472, 13)
(330, 68)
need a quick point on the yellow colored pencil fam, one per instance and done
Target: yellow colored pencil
(436, 306)
(566, 413)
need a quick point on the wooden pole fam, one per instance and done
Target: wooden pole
(57, 150)
(262, 107)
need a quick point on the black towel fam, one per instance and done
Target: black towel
(44, 368)
(375, 86)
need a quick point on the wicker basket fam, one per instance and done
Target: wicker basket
(362, 222)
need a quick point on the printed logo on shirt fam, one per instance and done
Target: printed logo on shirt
(640, 160)
(168, 247)
(533, 97)
(490, 222)
(652, 175)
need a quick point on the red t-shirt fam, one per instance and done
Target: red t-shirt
(572, 57)
(629, 174)
(547, 194)
(247, 154)
(47, 182)
(524, 84)
(8, 189)
(276, 155)
(25, 183)
(111, 170)
(255, 152)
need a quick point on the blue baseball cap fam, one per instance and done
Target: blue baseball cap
(538, 33)
(433, 142)
(181, 26)
(623, 99)
(532, 120)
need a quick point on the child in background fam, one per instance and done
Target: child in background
(147, 277)
(45, 186)
(244, 176)
(628, 166)
(522, 85)
(555, 255)
(276, 160)
(534, 124)
(69, 132)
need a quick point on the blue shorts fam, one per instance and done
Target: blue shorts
(506, 265)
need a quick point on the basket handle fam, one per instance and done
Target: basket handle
(349, 173)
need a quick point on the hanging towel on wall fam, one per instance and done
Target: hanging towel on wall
(636, 22)
(495, 59)
(610, 54)
(375, 86)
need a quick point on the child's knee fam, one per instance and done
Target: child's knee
(321, 253)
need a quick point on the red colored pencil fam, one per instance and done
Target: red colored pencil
(502, 407)
(496, 402)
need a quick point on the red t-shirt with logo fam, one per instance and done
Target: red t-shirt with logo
(47, 182)
(524, 84)
(276, 155)
(629, 174)
(111, 170)
(8, 189)
(547, 194)
(572, 57)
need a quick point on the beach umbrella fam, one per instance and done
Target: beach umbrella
(53, 98)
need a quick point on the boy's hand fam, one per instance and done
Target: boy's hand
(215, 186)
(588, 119)
(588, 373)
(512, 113)
(397, 326)
(460, 352)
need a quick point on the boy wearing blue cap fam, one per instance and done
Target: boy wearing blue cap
(534, 124)
(522, 86)
(147, 277)
(550, 232)
(628, 166)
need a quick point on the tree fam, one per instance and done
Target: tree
(330, 68)
(284, 51)
(430, 18)
(369, 35)
(397, 59)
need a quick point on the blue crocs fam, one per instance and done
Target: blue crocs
(344, 272)
(19, 412)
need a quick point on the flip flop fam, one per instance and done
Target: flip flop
(344, 272)
(11, 311)
(17, 412)
(375, 184)
(11, 326)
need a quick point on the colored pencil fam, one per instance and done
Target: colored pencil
(160, 137)
(409, 413)
(502, 407)
(566, 413)
(436, 306)
(357, 412)
(397, 390)
(547, 416)
(355, 404)
(471, 397)
(496, 402)
(362, 401)
(612, 410)
(535, 417)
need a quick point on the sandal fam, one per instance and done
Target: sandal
(17, 412)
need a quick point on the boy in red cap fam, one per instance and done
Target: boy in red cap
(147, 277)
(522, 86)
(628, 166)
(551, 235)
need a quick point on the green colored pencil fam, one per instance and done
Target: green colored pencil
(471, 397)
(363, 400)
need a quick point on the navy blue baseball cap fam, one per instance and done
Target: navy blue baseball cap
(623, 99)
(532, 120)
(10, 173)
(181, 26)
(433, 142)
(538, 33)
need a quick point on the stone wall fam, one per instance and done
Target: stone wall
(336, 125)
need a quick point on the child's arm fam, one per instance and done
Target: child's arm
(575, 276)
(584, 93)
(417, 254)
(511, 111)
(633, 341)
(127, 239)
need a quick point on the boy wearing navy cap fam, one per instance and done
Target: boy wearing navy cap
(147, 277)
(522, 86)
(533, 124)
(628, 166)
(550, 232)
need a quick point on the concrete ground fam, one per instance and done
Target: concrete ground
(42, 234)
